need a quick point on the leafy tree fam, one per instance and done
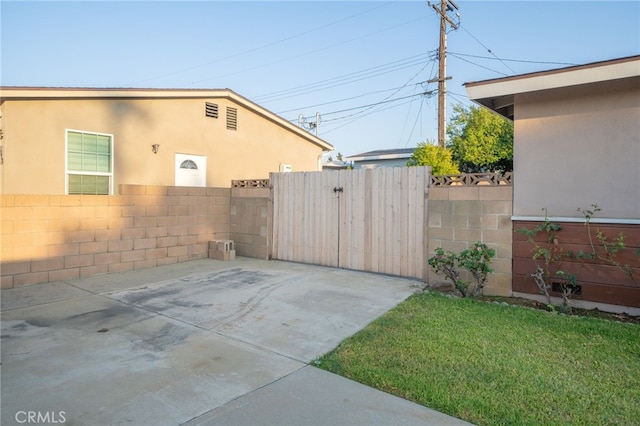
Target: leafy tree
(429, 154)
(480, 140)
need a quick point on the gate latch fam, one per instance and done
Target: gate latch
(337, 189)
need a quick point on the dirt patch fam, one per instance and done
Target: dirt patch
(534, 304)
(592, 313)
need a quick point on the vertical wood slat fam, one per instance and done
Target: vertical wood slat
(376, 224)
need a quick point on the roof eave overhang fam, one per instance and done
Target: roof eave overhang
(498, 94)
(379, 157)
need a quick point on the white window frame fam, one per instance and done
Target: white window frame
(68, 172)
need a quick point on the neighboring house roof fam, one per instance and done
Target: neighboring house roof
(130, 93)
(498, 94)
(383, 154)
(336, 165)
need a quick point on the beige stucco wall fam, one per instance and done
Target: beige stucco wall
(578, 146)
(34, 141)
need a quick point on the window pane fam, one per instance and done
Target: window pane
(75, 184)
(102, 185)
(74, 141)
(89, 142)
(104, 145)
(89, 185)
(89, 162)
(104, 163)
(74, 161)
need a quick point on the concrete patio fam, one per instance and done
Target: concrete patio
(202, 342)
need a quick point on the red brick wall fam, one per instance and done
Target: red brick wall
(57, 237)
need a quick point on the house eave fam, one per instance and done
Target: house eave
(498, 94)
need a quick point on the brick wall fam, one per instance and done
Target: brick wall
(57, 237)
(249, 221)
(460, 216)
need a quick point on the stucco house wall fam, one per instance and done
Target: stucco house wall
(34, 124)
(577, 146)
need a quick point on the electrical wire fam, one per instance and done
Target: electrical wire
(267, 45)
(340, 100)
(365, 115)
(346, 78)
(385, 100)
(478, 65)
(431, 75)
(513, 60)
(365, 107)
(310, 52)
(488, 50)
(415, 123)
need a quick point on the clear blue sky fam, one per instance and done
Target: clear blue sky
(361, 64)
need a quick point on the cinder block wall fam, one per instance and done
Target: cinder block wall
(461, 216)
(249, 221)
(58, 237)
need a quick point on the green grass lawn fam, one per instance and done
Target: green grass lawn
(491, 364)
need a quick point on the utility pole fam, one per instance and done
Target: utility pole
(302, 122)
(444, 7)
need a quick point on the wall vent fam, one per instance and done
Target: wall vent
(211, 110)
(232, 118)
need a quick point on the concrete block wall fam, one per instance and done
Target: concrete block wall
(58, 237)
(460, 216)
(250, 213)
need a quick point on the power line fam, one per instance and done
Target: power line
(396, 90)
(419, 115)
(415, 123)
(369, 106)
(513, 60)
(478, 65)
(385, 100)
(310, 52)
(365, 115)
(488, 50)
(345, 79)
(264, 46)
(341, 100)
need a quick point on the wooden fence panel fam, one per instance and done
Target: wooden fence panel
(369, 220)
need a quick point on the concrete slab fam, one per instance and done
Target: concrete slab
(294, 310)
(313, 397)
(104, 363)
(39, 295)
(167, 345)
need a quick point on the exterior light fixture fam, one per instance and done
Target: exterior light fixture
(155, 147)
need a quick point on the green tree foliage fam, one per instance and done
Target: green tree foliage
(428, 154)
(480, 140)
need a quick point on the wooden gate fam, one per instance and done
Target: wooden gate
(370, 220)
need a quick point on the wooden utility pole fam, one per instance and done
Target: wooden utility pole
(445, 6)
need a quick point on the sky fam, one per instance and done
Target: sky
(363, 66)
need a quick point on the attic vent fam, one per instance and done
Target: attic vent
(211, 110)
(232, 118)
